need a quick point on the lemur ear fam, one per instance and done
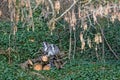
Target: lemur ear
(44, 44)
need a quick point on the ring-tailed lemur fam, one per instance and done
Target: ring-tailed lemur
(50, 49)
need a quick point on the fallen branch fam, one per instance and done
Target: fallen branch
(25, 65)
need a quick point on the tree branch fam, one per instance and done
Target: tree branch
(67, 10)
(52, 6)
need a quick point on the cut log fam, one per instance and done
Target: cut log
(46, 67)
(37, 67)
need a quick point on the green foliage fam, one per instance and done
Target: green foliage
(82, 68)
(113, 38)
(77, 70)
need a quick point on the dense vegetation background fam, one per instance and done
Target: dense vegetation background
(21, 40)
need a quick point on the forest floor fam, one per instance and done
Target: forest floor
(75, 70)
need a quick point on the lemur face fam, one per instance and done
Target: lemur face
(45, 47)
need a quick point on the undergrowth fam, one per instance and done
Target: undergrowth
(76, 70)
(84, 67)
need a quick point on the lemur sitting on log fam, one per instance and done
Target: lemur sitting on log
(50, 49)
